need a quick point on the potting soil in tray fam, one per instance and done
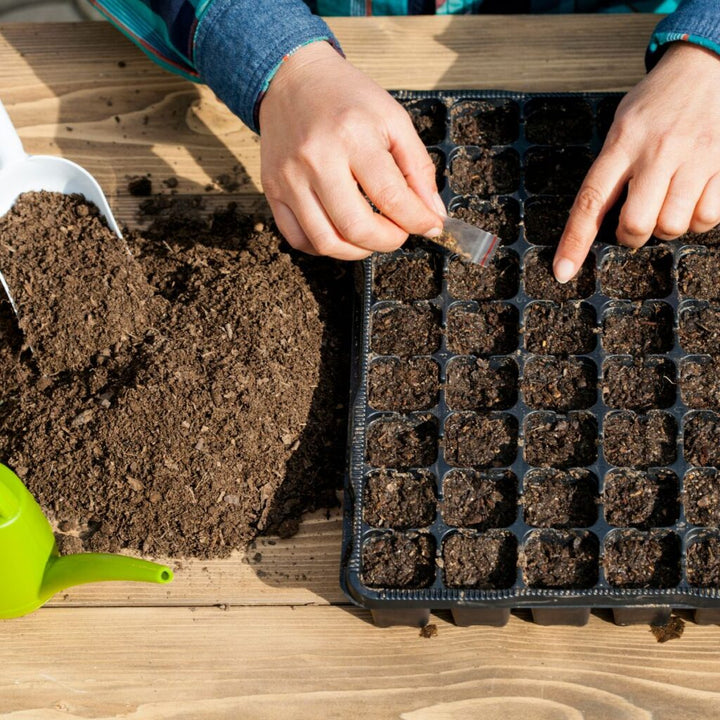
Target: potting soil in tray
(520, 443)
(219, 417)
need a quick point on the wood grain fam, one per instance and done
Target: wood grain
(328, 662)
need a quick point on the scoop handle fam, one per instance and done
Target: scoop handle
(11, 148)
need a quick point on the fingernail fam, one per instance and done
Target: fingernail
(439, 205)
(435, 232)
(564, 270)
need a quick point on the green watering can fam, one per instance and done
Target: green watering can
(32, 571)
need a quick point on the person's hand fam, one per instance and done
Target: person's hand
(327, 128)
(664, 145)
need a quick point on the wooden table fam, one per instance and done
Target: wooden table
(268, 633)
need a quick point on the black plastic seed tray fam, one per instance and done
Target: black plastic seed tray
(515, 443)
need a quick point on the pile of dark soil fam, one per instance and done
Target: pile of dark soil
(76, 287)
(221, 418)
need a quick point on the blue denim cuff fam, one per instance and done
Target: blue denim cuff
(695, 21)
(239, 45)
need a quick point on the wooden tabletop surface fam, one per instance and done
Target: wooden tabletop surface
(267, 633)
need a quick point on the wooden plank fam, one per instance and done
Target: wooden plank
(326, 662)
(303, 570)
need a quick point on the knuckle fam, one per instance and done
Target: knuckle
(324, 242)
(634, 228)
(589, 200)
(389, 198)
(355, 228)
(670, 228)
(706, 216)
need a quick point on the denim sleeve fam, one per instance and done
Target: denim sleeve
(234, 46)
(695, 21)
(239, 46)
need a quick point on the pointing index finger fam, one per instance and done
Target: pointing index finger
(597, 194)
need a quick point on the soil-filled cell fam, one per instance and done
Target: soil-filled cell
(560, 498)
(405, 330)
(639, 441)
(540, 282)
(567, 329)
(477, 122)
(402, 385)
(638, 383)
(560, 384)
(605, 114)
(428, 116)
(396, 560)
(635, 498)
(636, 559)
(484, 172)
(473, 440)
(483, 561)
(479, 499)
(399, 500)
(402, 442)
(560, 441)
(637, 274)
(698, 273)
(703, 560)
(709, 238)
(699, 329)
(499, 216)
(638, 328)
(406, 276)
(478, 384)
(700, 382)
(498, 280)
(701, 496)
(545, 219)
(556, 171)
(701, 439)
(438, 159)
(560, 559)
(492, 329)
(558, 121)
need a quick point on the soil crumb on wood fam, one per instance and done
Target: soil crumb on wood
(566, 329)
(397, 560)
(640, 499)
(560, 498)
(636, 559)
(484, 561)
(492, 329)
(559, 384)
(560, 559)
(473, 440)
(399, 500)
(77, 289)
(637, 274)
(701, 496)
(639, 441)
(472, 498)
(671, 630)
(428, 631)
(403, 384)
(478, 384)
(227, 420)
(560, 441)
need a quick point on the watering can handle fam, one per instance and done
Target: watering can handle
(11, 149)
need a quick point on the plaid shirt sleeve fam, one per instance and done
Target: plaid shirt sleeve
(695, 21)
(234, 46)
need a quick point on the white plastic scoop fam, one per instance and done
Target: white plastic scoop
(20, 173)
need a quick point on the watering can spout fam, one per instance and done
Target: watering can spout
(64, 572)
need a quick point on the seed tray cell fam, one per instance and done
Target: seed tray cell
(516, 443)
